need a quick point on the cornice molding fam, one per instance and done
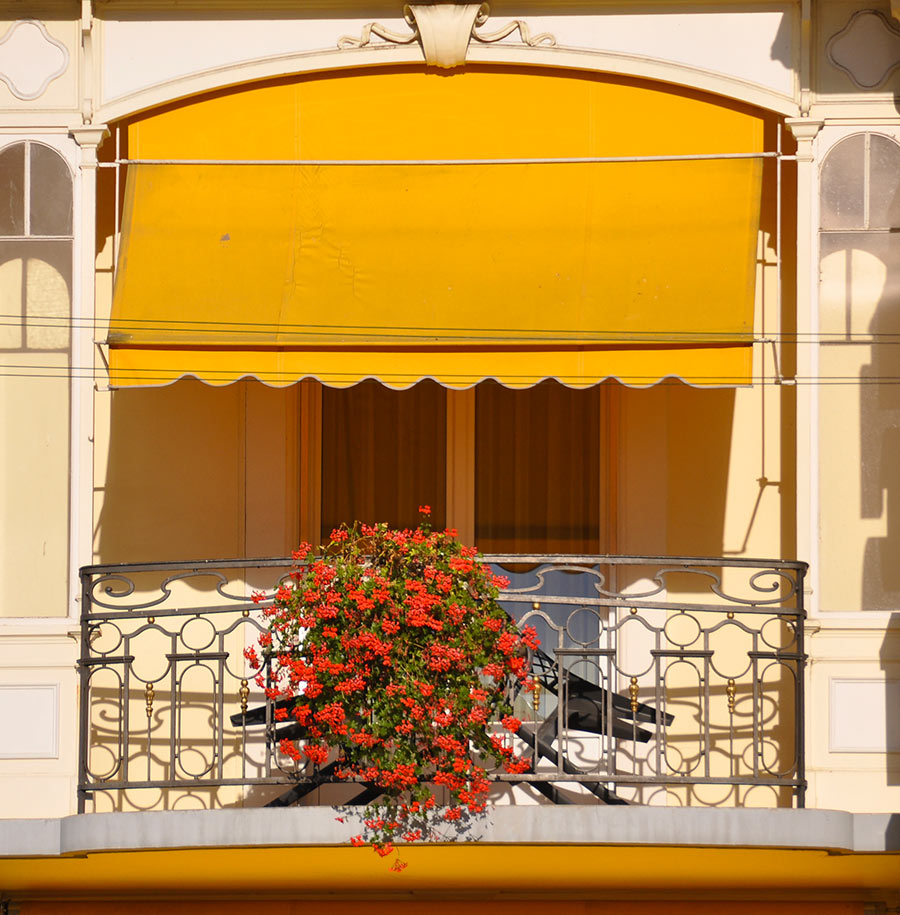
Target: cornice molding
(805, 131)
(252, 9)
(89, 137)
(497, 54)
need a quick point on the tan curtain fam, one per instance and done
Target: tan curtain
(383, 454)
(537, 469)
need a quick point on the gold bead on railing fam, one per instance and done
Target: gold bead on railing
(245, 613)
(730, 691)
(245, 695)
(536, 605)
(633, 694)
(149, 693)
(536, 692)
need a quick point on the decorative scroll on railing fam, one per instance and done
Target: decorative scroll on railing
(659, 681)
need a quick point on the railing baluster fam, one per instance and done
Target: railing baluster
(84, 695)
(597, 666)
(174, 710)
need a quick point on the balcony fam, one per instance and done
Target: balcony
(661, 681)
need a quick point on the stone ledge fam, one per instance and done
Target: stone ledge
(831, 830)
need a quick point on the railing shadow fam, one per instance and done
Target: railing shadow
(689, 698)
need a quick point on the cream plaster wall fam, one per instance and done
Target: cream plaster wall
(28, 56)
(841, 777)
(756, 46)
(42, 786)
(858, 416)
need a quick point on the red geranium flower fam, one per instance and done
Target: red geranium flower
(397, 661)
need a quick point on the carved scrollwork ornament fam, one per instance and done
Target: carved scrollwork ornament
(533, 41)
(380, 31)
(445, 31)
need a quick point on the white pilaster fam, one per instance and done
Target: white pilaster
(805, 131)
(83, 314)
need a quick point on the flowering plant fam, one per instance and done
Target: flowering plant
(397, 661)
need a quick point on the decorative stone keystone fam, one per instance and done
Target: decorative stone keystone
(445, 30)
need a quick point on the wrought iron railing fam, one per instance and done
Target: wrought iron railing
(660, 681)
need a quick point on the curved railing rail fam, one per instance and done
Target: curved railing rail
(660, 680)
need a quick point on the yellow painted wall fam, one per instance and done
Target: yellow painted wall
(193, 472)
(35, 340)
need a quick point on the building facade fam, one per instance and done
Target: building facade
(591, 279)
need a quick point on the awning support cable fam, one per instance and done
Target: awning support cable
(539, 160)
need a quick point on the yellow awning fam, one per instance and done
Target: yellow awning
(518, 272)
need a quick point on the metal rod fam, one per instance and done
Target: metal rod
(174, 711)
(26, 180)
(536, 160)
(115, 251)
(125, 717)
(219, 716)
(800, 693)
(779, 265)
(757, 707)
(707, 736)
(84, 673)
(199, 565)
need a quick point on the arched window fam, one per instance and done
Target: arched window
(35, 248)
(859, 322)
(859, 184)
(35, 339)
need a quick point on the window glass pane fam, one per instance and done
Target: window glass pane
(860, 286)
(884, 183)
(36, 294)
(843, 181)
(12, 190)
(48, 294)
(383, 455)
(537, 469)
(12, 293)
(51, 193)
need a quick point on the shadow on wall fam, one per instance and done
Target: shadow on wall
(699, 424)
(700, 437)
(860, 318)
(174, 485)
(880, 386)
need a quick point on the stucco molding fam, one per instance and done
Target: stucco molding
(500, 53)
(89, 138)
(445, 30)
(348, 42)
(805, 131)
(517, 25)
(853, 51)
(20, 65)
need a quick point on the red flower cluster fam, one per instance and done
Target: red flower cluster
(399, 660)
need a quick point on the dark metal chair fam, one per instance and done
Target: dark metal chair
(588, 707)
